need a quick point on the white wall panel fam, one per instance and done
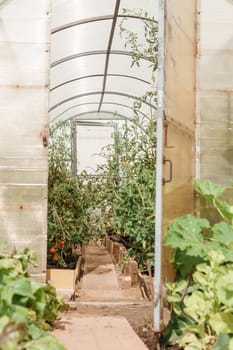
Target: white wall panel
(214, 91)
(24, 68)
(90, 143)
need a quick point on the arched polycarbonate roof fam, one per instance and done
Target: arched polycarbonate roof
(91, 72)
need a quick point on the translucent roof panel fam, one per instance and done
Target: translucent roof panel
(126, 85)
(91, 68)
(77, 87)
(125, 68)
(78, 68)
(67, 12)
(80, 39)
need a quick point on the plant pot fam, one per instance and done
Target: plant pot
(64, 280)
(61, 278)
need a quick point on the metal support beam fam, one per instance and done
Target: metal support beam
(159, 170)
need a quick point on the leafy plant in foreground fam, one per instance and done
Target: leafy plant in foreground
(201, 299)
(27, 307)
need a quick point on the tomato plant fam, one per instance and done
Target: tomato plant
(69, 199)
(61, 244)
(126, 185)
(131, 197)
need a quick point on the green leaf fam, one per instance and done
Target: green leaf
(180, 286)
(40, 307)
(222, 342)
(45, 343)
(177, 309)
(225, 208)
(35, 332)
(185, 234)
(174, 298)
(36, 287)
(208, 189)
(185, 263)
(11, 264)
(223, 232)
(7, 294)
(221, 322)
(22, 287)
(217, 246)
(224, 289)
(20, 314)
(189, 341)
(201, 278)
(216, 258)
(197, 306)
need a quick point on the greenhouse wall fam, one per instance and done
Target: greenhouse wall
(215, 93)
(179, 115)
(24, 66)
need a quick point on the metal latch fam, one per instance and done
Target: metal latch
(165, 126)
(170, 170)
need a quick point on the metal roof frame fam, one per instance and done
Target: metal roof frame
(94, 19)
(99, 93)
(90, 112)
(60, 86)
(99, 75)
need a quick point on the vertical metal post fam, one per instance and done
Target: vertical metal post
(159, 166)
(74, 148)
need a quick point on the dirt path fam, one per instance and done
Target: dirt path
(101, 290)
(104, 315)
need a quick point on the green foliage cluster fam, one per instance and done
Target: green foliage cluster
(121, 197)
(127, 190)
(148, 46)
(201, 298)
(27, 308)
(68, 201)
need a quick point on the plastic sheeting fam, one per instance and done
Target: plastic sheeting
(24, 71)
(215, 91)
(90, 65)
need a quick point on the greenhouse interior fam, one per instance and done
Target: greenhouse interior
(116, 175)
